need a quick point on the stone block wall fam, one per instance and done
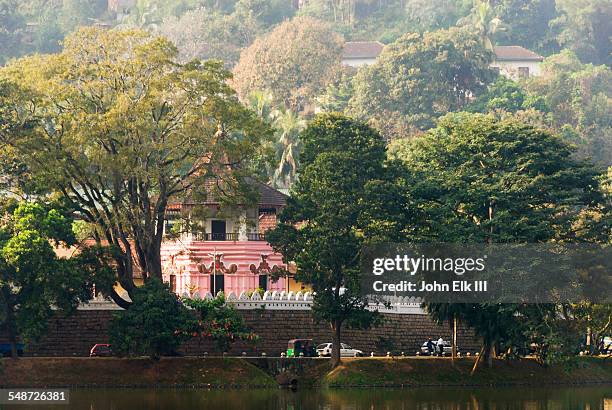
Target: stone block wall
(75, 335)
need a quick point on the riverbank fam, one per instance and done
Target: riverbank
(268, 372)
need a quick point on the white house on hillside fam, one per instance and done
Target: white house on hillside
(358, 53)
(516, 62)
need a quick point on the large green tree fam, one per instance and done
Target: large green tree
(33, 280)
(326, 221)
(475, 179)
(293, 62)
(419, 78)
(121, 129)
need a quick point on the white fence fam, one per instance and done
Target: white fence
(282, 301)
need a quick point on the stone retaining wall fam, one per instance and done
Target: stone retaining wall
(74, 335)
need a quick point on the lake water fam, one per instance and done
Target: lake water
(592, 398)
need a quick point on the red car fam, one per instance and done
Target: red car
(101, 350)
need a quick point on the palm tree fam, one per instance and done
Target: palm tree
(261, 103)
(288, 125)
(484, 21)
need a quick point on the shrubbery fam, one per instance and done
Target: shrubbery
(155, 325)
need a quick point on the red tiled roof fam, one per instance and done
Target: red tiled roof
(268, 196)
(516, 53)
(362, 49)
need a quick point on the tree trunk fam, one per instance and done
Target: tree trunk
(335, 354)
(454, 338)
(478, 359)
(491, 355)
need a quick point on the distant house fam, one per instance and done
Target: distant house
(358, 53)
(516, 62)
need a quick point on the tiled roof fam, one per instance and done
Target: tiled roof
(516, 53)
(268, 196)
(362, 49)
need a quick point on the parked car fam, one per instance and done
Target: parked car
(325, 350)
(301, 347)
(5, 349)
(447, 348)
(101, 350)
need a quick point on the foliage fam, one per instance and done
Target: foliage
(220, 322)
(475, 179)
(125, 130)
(578, 96)
(584, 28)
(526, 23)
(288, 126)
(293, 62)
(484, 21)
(419, 78)
(337, 94)
(473, 176)
(155, 325)
(33, 279)
(504, 94)
(12, 25)
(324, 226)
(205, 35)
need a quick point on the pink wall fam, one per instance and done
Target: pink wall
(190, 261)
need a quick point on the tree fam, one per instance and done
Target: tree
(121, 130)
(475, 179)
(203, 34)
(484, 21)
(156, 324)
(584, 28)
(526, 23)
(294, 62)
(419, 78)
(506, 95)
(288, 126)
(578, 97)
(33, 280)
(324, 225)
(220, 322)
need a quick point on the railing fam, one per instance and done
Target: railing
(218, 236)
(228, 236)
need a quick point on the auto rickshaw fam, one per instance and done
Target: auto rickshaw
(301, 348)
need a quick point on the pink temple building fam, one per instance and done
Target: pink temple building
(228, 252)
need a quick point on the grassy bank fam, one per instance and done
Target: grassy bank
(140, 372)
(442, 372)
(235, 372)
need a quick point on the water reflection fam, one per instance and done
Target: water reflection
(467, 398)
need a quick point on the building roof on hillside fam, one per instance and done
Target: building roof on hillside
(516, 53)
(362, 49)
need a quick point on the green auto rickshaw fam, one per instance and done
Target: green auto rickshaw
(301, 348)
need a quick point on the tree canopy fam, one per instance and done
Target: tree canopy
(293, 62)
(121, 129)
(419, 78)
(33, 279)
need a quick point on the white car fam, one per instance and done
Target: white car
(325, 350)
